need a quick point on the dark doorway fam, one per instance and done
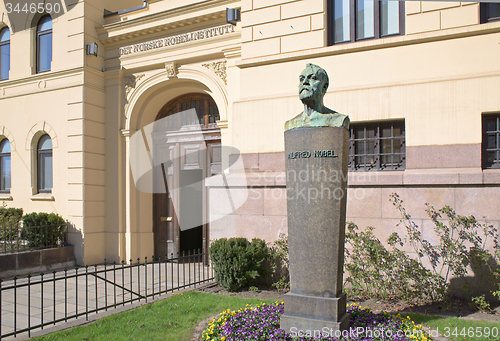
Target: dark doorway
(191, 209)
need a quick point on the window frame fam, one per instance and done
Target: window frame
(4, 43)
(352, 22)
(2, 155)
(39, 34)
(484, 146)
(378, 125)
(484, 8)
(39, 154)
(176, 105)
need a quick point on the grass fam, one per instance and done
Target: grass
(176, 317)
(459, 329)
(172, 319)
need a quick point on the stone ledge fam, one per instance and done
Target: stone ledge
(409, 177)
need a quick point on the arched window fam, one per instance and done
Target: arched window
(5, 166)
(206, 111)
(4, 53)
(44, 44)
(44, 168)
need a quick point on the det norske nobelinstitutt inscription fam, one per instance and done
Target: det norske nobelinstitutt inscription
(316, 145)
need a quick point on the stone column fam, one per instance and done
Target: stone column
(316, 166)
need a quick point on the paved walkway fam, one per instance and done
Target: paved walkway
(63, 296)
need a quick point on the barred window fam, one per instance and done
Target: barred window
(377, 146)
(491, 141)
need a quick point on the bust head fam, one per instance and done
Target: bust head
(313, 83)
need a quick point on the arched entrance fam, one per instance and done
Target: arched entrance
(192, 148)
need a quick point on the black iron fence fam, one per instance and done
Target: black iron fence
(15, 238)
(36, 301)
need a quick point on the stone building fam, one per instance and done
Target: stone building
(419, 79)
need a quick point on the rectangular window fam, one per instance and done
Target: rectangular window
(377, 146)
(354, 20)
(491, 141)
(489, 11)
(341, 21)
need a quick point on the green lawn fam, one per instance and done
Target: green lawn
(455, 329)
(175, 318)
(172, 319)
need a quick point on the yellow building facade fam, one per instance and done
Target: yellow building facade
(419, 81)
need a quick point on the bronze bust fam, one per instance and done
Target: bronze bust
(312, 88)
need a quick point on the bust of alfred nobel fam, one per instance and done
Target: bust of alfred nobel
(313, 83)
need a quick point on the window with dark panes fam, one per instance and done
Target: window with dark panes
(4, 53)
(489, 11)
(5, 166)
(354, 20)
(44, 44)
(206, 112)
(44, 151)
(491, 141)
(377, 146)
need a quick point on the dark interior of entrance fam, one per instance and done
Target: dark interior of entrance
(191, 210)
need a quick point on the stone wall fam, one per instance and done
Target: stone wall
(470, 191)
(36, 261)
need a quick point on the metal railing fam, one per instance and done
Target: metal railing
(14, 238)
(36, 301)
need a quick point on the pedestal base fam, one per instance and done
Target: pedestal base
(312, 315)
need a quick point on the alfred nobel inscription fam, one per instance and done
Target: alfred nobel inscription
(307, 154)
(316, 145)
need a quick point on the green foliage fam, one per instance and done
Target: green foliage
(9, 223)
(280, 275)
(460, 244)
(43, 229)
(480, 303)
(236, 261)
(374, 271)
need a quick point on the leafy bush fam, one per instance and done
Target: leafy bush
(9, 223)
(236, 261)
(461, 244)
(280, 275)
(377, 272)
(43, 229)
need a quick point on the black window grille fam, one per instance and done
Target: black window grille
(377, 146)
(491, 141)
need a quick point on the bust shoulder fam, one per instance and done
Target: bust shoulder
(316, 119)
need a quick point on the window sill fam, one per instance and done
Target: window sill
(42, 197)
(5, 197)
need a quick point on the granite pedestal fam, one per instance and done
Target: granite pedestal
(316, 165)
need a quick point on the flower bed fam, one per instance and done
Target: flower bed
(262, 323)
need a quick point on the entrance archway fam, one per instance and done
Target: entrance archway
(193, 151)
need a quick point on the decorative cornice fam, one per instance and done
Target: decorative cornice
(219, 68)
(131, 82)
(106, 38)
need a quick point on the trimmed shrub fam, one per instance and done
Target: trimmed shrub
(9, 223)
(237, 262)
(43, 229)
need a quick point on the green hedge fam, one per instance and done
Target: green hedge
(43, 229)
(237, 262)
(9, 222)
